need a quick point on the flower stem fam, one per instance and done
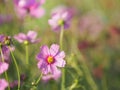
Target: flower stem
(63, 70)
(38, 79)
(18, 73)
(26, 49)
(6, 75)
(61, 36)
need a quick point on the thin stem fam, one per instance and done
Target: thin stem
(38, 79)
(61, 36)
(63, 80)
(6, 75)
(26, 49)
(18, 73)
(104, 83)
(63, 70)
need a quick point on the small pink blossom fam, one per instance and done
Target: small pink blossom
(31, 7)
(26, 39)
(61, 16)
(50, 59)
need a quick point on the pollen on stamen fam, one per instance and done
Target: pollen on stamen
(50, 59)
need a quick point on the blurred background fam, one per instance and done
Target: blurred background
(92, 43)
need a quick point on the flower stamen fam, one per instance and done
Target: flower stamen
(50, 59)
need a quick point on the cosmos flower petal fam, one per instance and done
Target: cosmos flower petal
(43, 67)
(45, 50)
(57, 75)
(3, 84)
(20, 37)
(52, 22)
(3, 67)
(32, 34)
(60, 55)
(60, 62)
(54, 49)
(54, 76)
(21, 12)
(64, 15)
(38, 12)
(54, 69)
(25, 3)
(42, 1)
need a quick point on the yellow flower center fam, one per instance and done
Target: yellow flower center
(60, 22)
(50, 59)
(26, 42)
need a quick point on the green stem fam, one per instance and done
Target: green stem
(26, 49)
(63, 70)
(104, 83)
(63, 80)
(6, 75)
(18, 73)
(38, 79)
(61, 36)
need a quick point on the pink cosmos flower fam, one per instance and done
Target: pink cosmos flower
(3, 67)
(26, 39)
(31, 7)
(60, 17)
(3, 84)
(50, 59)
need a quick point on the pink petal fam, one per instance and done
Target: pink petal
(45, 50)
(64, 15)
(32, 34)
(42, 1)
(43, 67)
(54, 69)
(57, 75)
(56, 17)
(21, 13)
(20, 37)
(37, 12)
(60, 62)
(54, 49)
(3, 67)
(3, 84)
(60, 55)
(52, 22)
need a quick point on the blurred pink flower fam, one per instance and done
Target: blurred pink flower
(26, 39)
(54, 76)
(61, 16)
(31, 7)
(3, 67)
(50, 59)
(91, 25)
(5, 18)
(3, 84)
